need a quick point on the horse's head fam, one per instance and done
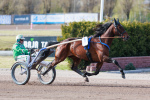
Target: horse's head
(119, 30)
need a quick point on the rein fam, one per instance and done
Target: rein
(52, 46)
(110, 37)
(103, 37)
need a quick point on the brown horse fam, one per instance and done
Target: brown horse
(99, 51)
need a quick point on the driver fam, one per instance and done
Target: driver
(21, 54)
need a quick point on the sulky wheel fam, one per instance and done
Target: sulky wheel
(20, 73)
(49, 77)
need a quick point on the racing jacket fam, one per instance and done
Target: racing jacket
(19, 49)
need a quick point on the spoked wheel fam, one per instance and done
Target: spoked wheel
(20, 73)
(49, 77)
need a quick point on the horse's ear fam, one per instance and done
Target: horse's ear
(115, 22)
(118, 21)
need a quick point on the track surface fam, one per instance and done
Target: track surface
(70, 86)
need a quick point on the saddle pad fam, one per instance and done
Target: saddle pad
(84, 41)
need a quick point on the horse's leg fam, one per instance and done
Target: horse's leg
(98, 67)
(60, 55)
(75, 64)
(53, 63)
(74, 67)
(110, 60)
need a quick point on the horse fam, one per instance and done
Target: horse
(99, 49)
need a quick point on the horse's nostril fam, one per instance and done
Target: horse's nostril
(128, 37)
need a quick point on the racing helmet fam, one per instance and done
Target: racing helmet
(18, 37)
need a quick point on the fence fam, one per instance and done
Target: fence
(48, 18)
(5, 19)
(138, 62)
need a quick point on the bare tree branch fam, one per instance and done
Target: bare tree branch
(127, 6)
(108, 7)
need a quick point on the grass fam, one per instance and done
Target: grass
(31, 32)
(8, 37)
(8, 61)
(62, 66)
(6, 42)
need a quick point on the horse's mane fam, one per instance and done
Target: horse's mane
(101, 28)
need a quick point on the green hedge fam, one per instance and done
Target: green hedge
(130, 66)
(137, 45)
(77, 29)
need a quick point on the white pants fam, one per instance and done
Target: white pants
(26, 59)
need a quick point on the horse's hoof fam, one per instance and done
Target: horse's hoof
(39, 72)
(86, 79)
(84, 74)
(123, 76)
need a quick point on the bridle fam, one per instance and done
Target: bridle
(117, 31)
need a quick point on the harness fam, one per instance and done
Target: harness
(88, 54)
(118, 30)
(89, 40)
(103, 43)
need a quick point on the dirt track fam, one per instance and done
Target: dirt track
(70, 86)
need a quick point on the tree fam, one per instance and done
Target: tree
(29, 6)
(127, 6)
(67, 5)
(47, 6)
(109, 7)
(4, 6)
(146, 7)
(16, 7)
(38, 7)
(91, 5)
(88, 5)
